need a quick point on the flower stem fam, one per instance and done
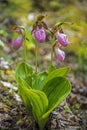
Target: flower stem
(52, 50)
(25, 56)
(51, 62)
(36, 60)
(36, 55)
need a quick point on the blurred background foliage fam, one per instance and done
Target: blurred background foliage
(23, 12)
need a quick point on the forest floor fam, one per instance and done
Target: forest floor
(71, 114)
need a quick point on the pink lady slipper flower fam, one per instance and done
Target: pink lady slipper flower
(17, 42)
(60, 54)
(62, 39)
(40, 35)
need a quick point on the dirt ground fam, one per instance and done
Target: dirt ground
(71, 114)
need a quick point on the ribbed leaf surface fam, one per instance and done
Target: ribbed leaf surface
(56, 90)
(56, 73)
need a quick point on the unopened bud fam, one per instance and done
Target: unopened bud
(60, 54)
(17, 42)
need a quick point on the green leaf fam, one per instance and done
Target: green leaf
(24, 82)
(28, 34)
(24, 71)
(56, 73)
(29, 42)
(40, 17)
(35, 101)
(54, 89)
(38, 79)
(51, 68)
(57, 89)
(41, 78)
(22, 87)
(39, 106)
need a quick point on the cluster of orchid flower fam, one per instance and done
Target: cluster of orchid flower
(39, 33)
(62, 40)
